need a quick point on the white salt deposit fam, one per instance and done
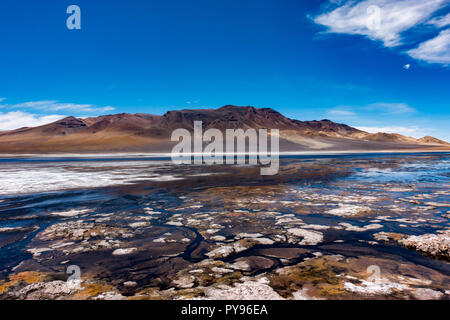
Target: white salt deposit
(310, 238)
(120, 252)
(348, 210)
(26, 178)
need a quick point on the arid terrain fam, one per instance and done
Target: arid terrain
(151, 133)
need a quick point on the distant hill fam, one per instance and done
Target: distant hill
(431, 140)
(151, 133)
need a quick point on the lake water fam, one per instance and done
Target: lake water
(144, 227)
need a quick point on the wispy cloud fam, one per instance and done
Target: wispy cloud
(18, 115)
(386, 24)
(389, 117)
(387, 21)
(378, 108)
(192, 101)
(441, 21)
(436, 50)
(415, 132)
(18, 119)
(341, 112)
(55, 106)
(389, 108)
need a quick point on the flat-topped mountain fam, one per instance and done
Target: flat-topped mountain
(151, 133)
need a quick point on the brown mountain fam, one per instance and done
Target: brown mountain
(151, 133)
(432, 140)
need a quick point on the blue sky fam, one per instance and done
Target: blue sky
(382, 69)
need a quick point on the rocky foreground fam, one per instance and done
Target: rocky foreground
(319, 232)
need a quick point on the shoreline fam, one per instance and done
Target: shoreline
(169, 155)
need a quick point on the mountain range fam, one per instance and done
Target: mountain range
(151, 133)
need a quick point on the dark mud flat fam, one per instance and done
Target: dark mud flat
(336, 227)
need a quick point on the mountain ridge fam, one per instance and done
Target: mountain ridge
(146, 132)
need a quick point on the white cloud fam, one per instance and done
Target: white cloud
(388, 129)
(341, 112)
(374, 109)
(407, 66)
(382, 20)
(441, 21)
(390, 108)
(54, 106)
(436, 50)
(15, 117)
(415, 132)
(18, 119)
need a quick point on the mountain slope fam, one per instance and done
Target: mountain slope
(151, 133)
(432, 140)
